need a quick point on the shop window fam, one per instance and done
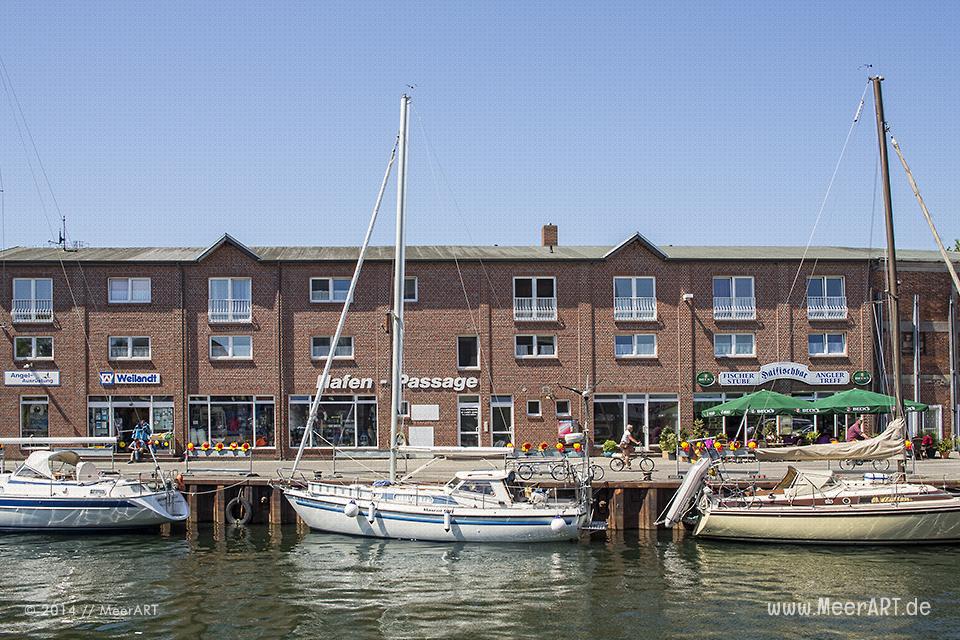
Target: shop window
(342, 421)
(34, 416)
(227, 419)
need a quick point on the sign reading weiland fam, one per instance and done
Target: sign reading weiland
(110, 378)
(783, 371)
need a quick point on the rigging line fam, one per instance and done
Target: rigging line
(15, 107)
(476, 324)
(826, 196)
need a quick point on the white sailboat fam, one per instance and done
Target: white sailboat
(475, 506)
(819, 506)
(56, 491)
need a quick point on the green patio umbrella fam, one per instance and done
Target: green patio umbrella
(861, 401)
(759, 403)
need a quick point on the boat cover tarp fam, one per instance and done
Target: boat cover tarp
(888, 444)
(42, 461)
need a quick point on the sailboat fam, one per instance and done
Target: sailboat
(475, 506)
(819, 506)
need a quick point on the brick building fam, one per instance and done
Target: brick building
(226, 343)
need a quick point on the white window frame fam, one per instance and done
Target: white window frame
(129, 356)
(533, 291)
(233, 316)
(129, 299)
(536, 347)
(734, 296)
(473, 367)
(634, 354)
(568, 412)
(314, 356)
(33, 348)
(330, 288)
(502, 402)
(733, 345)
(825, 335)
(230, 348)
(633, 292)
(37, 313)
(416, 289)
(539, 412)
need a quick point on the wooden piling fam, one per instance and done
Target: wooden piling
(220, 506)
(276, 506)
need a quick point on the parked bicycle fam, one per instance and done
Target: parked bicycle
(878, 465)
(618, 462)
(569, 471)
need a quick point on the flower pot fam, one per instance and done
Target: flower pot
(665, 455)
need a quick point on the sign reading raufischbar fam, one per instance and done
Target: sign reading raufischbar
(31, 378)
(783, 371)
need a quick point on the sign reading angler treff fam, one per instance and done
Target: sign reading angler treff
(110, 378)
(31, 378)
(782, 371)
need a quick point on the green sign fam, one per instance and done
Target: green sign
(861, 377)
(706, 379)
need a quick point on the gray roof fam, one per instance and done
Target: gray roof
(438, 253)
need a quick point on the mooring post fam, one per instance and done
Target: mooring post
(219, 506)
(276, 506)
(194, 503)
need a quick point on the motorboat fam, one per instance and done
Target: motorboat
(820, 506)
(475, 506)
(56, 491)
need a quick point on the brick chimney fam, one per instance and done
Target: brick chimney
(550, 235)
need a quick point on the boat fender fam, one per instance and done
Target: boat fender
(181, 485)
(447, 520)
(351, 509)
(371, 513)
(558, 524)
(239, 511)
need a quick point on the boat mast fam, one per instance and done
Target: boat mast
(398, 289)
(893, 294)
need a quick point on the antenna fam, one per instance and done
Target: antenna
(62, 242)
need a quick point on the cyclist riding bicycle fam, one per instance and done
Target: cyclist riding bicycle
(626, 444)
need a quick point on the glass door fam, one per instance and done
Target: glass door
(468, 420)
(637, 416)
(501, 417)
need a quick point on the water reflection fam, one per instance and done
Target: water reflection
(264, 582)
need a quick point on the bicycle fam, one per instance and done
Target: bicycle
(562, 471)
(878, 465)
(618, 462)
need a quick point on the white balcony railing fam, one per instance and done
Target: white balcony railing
(534, 308)
(826, 307)
(229, 311)
(31, 310)
(634, 308)
(735, 308)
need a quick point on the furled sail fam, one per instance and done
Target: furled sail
(888, 444)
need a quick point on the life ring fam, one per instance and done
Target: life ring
(245, 511)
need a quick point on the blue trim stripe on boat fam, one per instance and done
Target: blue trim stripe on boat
(325, 506)
(64, 503)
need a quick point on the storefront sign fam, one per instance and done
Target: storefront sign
(706, 379)
(347, 381)
(110, 378)
(783, 371)
(31, 378)
(458, 383)
(861, 377)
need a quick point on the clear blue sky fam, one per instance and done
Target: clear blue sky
(716, 123)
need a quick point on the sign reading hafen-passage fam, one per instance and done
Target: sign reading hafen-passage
(783, 371)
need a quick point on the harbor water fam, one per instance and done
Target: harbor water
(263, 582)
